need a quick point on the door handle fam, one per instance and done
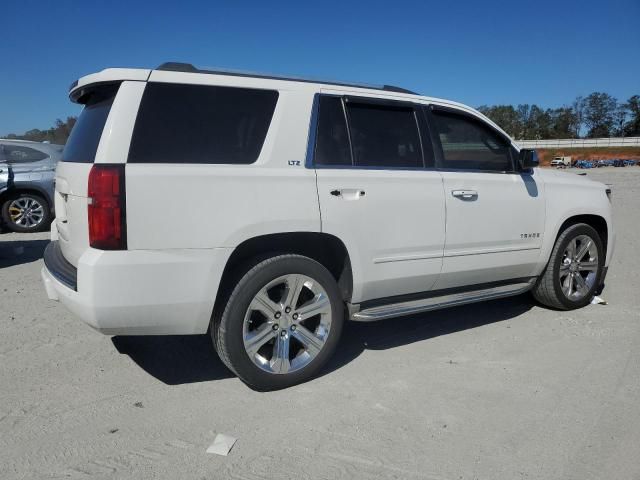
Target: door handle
(465, 194)
(348, 193)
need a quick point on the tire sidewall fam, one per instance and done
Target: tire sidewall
(231, 325)
(569, 235)
(46, 220)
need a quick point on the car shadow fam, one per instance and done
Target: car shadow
(396, 332)
(179, 359)
(174, 359)
(19, 252)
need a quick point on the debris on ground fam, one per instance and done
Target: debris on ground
(221, 445)
(138, 404)
(598, 301)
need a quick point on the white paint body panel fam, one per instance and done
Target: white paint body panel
(144, 292)
(394, 233)
(494, 235)
(407, 234)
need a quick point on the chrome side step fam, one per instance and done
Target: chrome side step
(436, 303)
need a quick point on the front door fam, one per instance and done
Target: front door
(377, 196)
(495, 215)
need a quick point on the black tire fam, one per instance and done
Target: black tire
(10, 222)
(548, 289)
(228, 318)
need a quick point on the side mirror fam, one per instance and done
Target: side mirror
(528, 159)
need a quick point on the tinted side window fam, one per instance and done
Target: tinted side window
(201, 124)
(18, 154)
(84, 139)
(471, 145)
(332, 140)
(384, 136)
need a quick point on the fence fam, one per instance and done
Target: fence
(581, 143)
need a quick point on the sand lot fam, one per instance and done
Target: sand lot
(501, 390)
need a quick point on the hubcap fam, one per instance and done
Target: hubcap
(287, 324)
(26, 212)
(579, 267)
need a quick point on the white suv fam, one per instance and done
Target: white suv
(270, 210)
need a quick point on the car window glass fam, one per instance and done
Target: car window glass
(82, 145)
(384, 136)
(201, 124)
(471, 145)
(332, 140)
(20, 154)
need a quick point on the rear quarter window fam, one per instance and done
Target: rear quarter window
(20, 154)
(201, 124)
(83, 142)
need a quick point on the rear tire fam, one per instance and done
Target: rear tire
(281, 322)
(26, 212)
(569, 282)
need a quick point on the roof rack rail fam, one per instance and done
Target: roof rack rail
(189, 68)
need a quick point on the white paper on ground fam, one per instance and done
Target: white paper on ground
(597, 301)
(221, 445)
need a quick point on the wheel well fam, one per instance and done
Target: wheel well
(598, 223)
(10, 192)
(322, 247)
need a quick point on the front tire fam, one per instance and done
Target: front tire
(574, 270)
(281, 322)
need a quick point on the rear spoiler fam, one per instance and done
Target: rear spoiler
(78, 90)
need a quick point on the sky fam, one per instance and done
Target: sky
(476, 52)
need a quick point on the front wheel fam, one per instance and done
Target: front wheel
(281, 323)
(574, 270)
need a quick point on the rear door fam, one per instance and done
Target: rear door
(379, 193)
(495, 214)
(101, 135)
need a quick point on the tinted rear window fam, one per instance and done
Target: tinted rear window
(201, 124)
(83, 142)
(384, 136)
(332, 142)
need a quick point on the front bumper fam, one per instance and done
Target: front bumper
(138, 292)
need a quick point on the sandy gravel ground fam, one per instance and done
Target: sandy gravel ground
(500, 390)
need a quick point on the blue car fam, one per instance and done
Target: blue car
(27, 172)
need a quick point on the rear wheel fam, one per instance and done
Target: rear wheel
(26, 212)
(281, 322)
(574, 270)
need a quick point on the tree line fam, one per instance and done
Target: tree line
(57, 134)
(593, 116)
(596, 115)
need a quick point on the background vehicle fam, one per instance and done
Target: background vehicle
(561, 162)
(302, 204)
(27, 171)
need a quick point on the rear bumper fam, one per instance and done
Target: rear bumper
(58, 266)
(139, 292)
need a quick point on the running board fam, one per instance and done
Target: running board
(444, 301)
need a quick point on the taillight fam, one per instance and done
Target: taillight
(107, 207)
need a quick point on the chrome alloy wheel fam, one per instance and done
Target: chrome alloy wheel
(579, 267)
(26, 212)
(287, 324)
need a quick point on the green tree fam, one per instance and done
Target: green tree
(564, 122)
(599, 114)
(58, 134)
(505, 116)
(632, 126)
